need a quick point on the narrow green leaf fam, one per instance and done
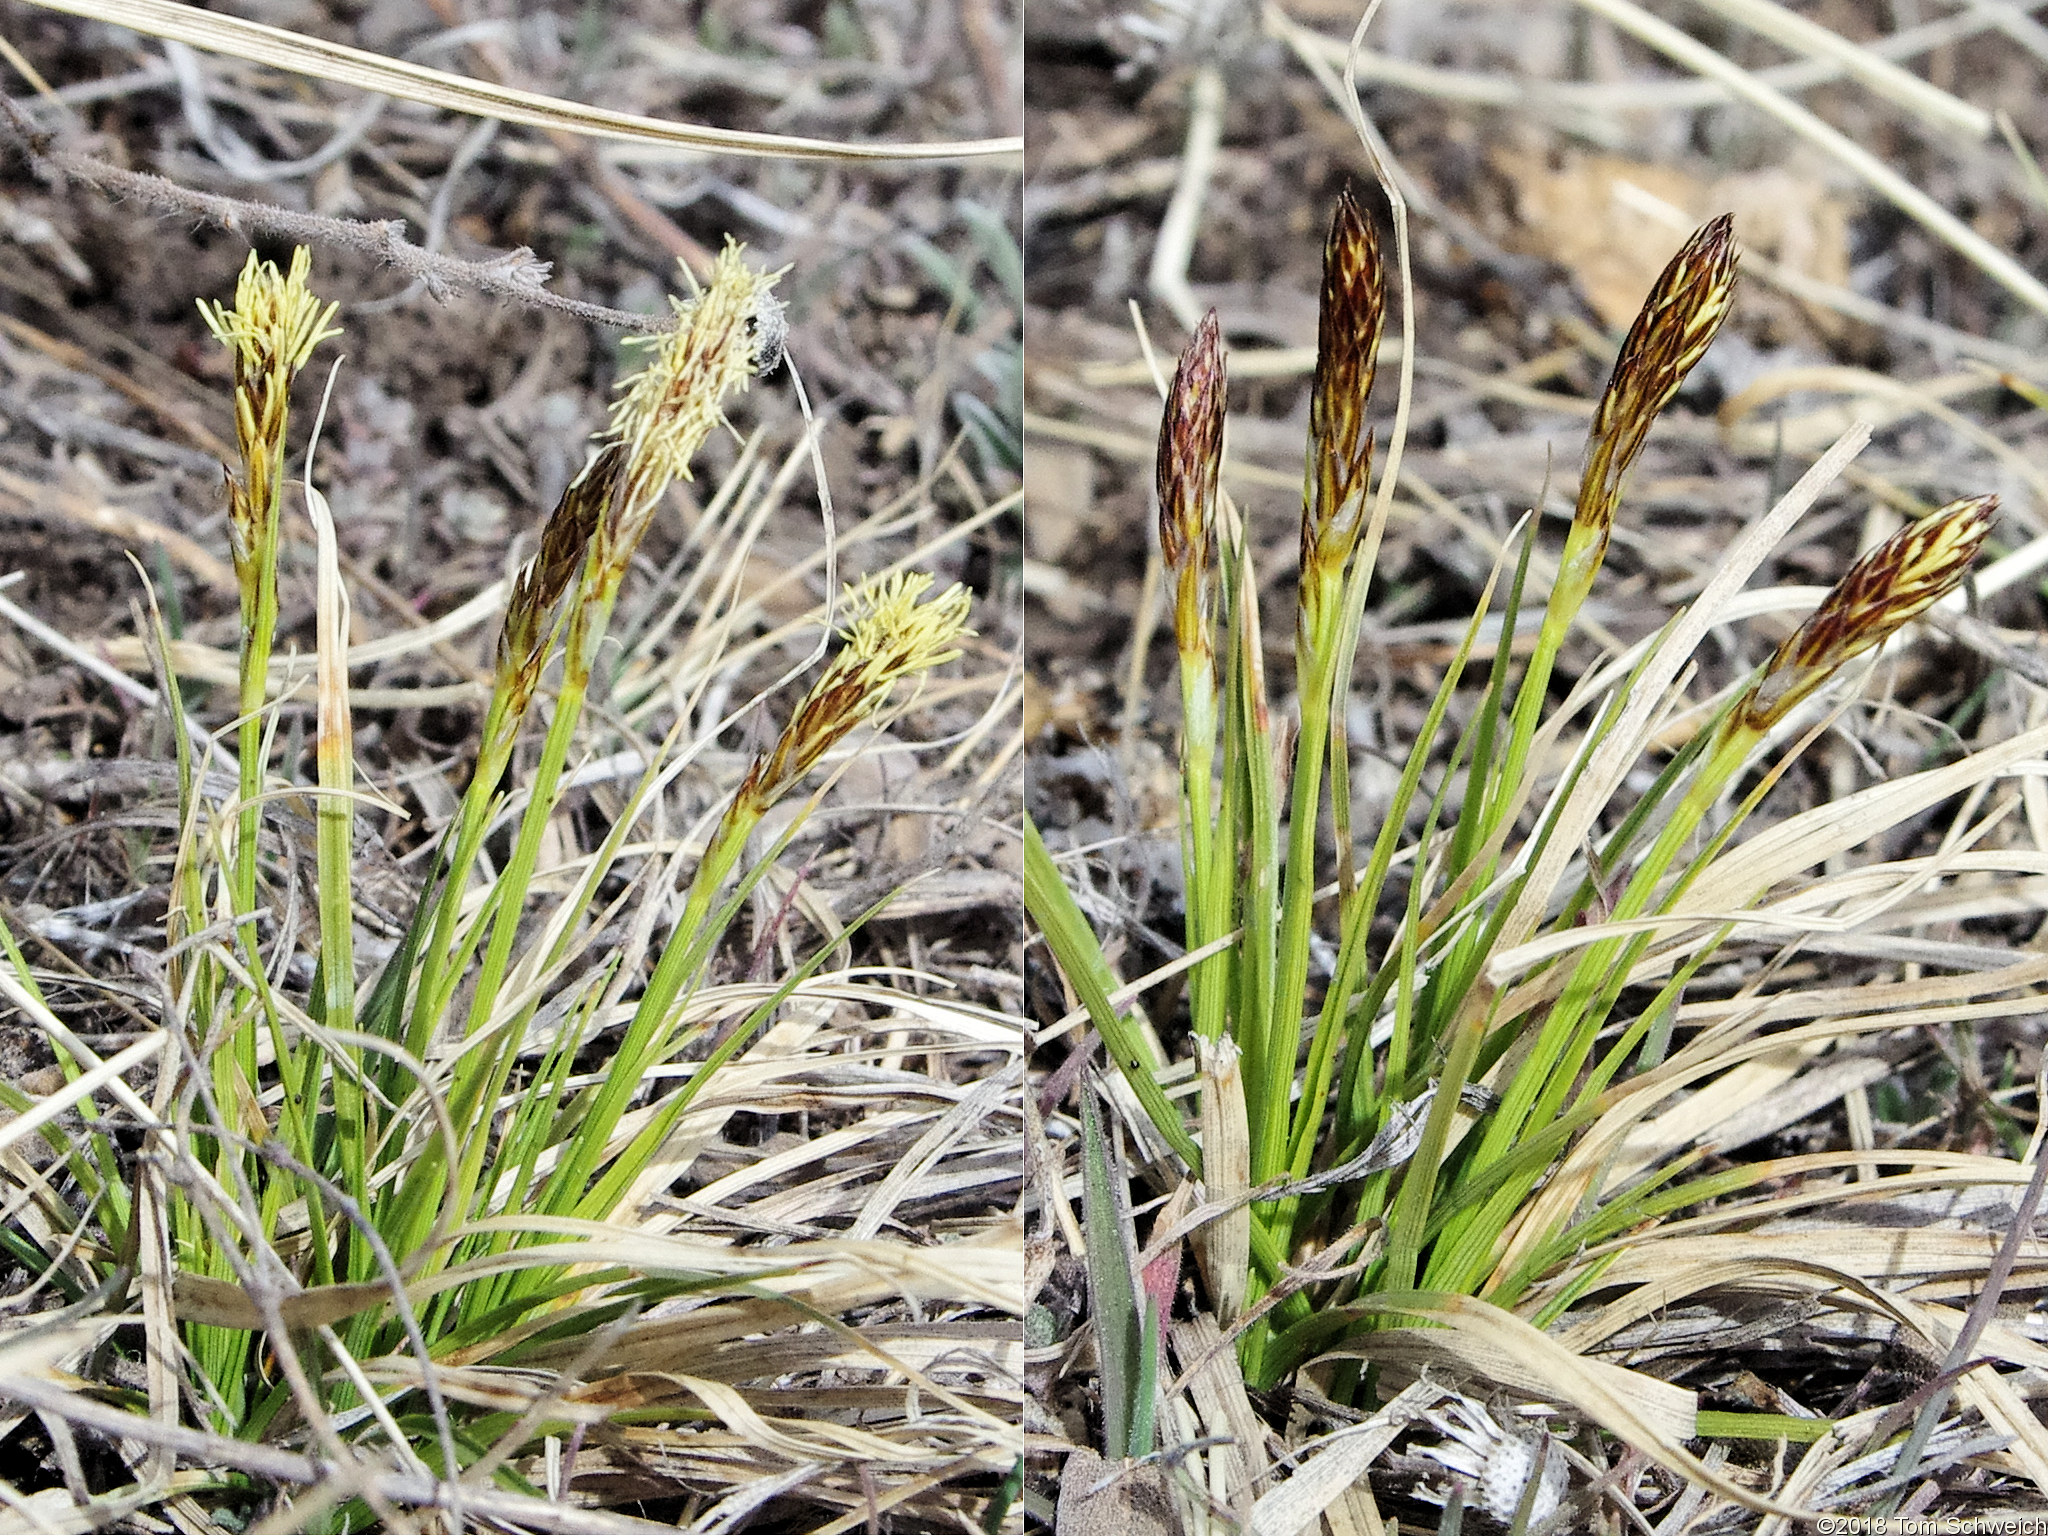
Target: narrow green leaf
(1112, 1293)
(1762, 1426)
(1079, 956)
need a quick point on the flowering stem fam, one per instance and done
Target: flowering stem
(1678, 322)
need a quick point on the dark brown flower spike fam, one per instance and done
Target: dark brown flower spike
(1190, 459)
(1340, 449)
(564, 542)
(1677, 323)
(1901, 578)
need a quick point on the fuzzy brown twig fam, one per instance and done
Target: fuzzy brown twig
(518, 275)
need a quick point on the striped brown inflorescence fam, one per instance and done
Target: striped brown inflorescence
(564, 544)
(1899, 579)
(1672, 331)
(1350, 318)
(1190, 460)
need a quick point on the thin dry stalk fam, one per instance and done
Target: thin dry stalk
(325, 60)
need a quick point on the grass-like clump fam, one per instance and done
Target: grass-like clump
(1433, 1146)
(386, 1237)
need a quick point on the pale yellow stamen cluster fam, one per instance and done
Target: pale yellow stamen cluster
(276, 322)
(668, 408)
(889, 635)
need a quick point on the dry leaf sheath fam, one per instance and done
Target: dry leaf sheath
(1901, 578)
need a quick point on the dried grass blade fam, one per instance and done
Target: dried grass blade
(1917, 205)
(1799, 842)
(1619, 1401)
(1324, 1469)
(295, 51)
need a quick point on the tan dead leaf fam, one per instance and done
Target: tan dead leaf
(1609, 220)
(1574, 217)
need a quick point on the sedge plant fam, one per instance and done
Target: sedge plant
(1392, 1120)
(426, 1166)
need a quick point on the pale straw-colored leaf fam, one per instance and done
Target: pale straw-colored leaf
(1872, 1253)
(1655, 1282)
(1223, 1246)
(1215, 1384)
(218, 32)
(39, 1014)
(162, 1349)
(1325, 1468)
(1494, 1354)
(81, 1088)
(1800, 842)
(1653, 1416)
(1591, 106)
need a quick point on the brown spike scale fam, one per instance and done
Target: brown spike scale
(1898, 580)
(1676, 325)
(1350, 318)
